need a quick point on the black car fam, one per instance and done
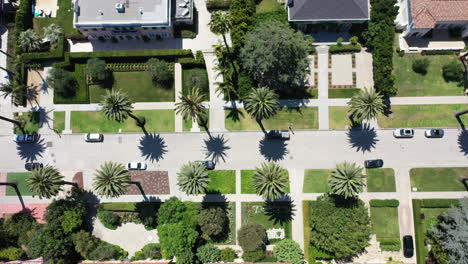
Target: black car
(370, 164)
(33, 165)
(408, 248)
(278, 134)
(434, 133)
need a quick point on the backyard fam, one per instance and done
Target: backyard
(381, 180)
(438, 179)
(20, 179)
(222, 181)
(316, 181)
(247, 186)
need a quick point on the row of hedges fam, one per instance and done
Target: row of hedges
(440, 52)
(218, 4)
(344, 48)
(419, 233)
(23, 20)
(384, 203)
(198, 61)
(390, 244)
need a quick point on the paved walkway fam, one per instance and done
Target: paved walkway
(322, 52)
(217, 117)
(178, 93)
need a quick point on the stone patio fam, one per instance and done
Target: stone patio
(152, 182)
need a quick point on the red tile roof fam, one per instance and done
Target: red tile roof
(426, 13)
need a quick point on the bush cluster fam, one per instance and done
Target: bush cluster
(228, 255)
(453, 71)
(440, 52)
(390, 244)
(344, 48)
(420, 65)
(23, 21)
(253, 256)
(109, 219)
(149, 251)
(218, 4)
(242, 13)
(12, 253)
(209, 254)
(384, 203)
(198, 61)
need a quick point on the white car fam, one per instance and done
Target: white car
(135, 165)
(403, 133)
(93, 137)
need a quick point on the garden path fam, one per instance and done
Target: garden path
(322, 52)
(178, 92)
(217, 117)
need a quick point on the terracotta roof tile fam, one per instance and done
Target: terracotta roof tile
(426, 13)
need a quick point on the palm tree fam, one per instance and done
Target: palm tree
(29, 40)
(228, 87)
(261, 103)
(52, 33)
(46, 182)
(220, 24)
(193, 178)
(346, 180)
(191, 106)
(111, 179)
(367, 104)
(270, 180)
(117, 106)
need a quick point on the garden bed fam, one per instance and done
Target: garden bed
(20, 179)
(222, 181)
(247, 186)
(438, 179)
(316, 181)
(381, 180)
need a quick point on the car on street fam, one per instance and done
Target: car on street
(33, 165)
(408, 247)
(403, 133)
(370, 164)
(25, 138)
(278, 134)
(434, 133)
(135, 165)
(93, 137)
(208, 164)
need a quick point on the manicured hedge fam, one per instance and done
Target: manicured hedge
(218, 4)
(390, 244)
(384, 203)
(56, 53)
(23, 20)
(199, 61)
(438, 203)
(345, 48)
(418, 233)
(168, 54)
(440, 52)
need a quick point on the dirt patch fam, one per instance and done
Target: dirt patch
(152, 182)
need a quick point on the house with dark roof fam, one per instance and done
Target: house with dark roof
(328, 11)
(422, 16)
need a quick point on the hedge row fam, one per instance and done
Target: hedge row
(198, 61)
(384, 203)
(419, 233)
(56, 53)
(440, 52)
(390, 244)
(438, 203)
(218, 4)
(23, 20)
(337, 48)
(168, 54)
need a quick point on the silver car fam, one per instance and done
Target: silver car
(93, 137)
(434, 133)
(403, 133)
(135, 165)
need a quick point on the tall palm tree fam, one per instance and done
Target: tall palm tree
(228, 87)
(111, 179)
(29, 40)
(367, 104)
(270, 180)
(191, 106)
(117, 106)
(52, 33)
(346, 180)
(220, 24)
(193, 178)
(46, 182)
(261, 103)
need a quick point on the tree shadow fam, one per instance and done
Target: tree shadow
(463, 142)
(216, 147)
(273, 149)
(148, 212)
(138, 185)
(18, 193)
(280, 212)
(363, 137)
(92, 201)
(31, 151)
(235, 114)
(458, 117)
(153, 147)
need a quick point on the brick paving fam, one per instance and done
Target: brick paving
(152, 182)
(35, 209)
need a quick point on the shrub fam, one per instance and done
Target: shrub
(96, 69)
(105, 251)
(11, 253)
(288, 251)
(344, 48)
(85, 243)
(440, 52)
(340, 41)
(438, 203)
(23, 20)
(390, 244)
(139, 255)
(18, 229)
(252, 237)
(159, 70)
(213, 221)
(72, 221)
(315, 253)
(171, 211)
(384, 203)
(253, 256)
(242, 13)
(354, 40)
(453, 71)
(152, 251)
(279, 15)
(62, 81)
(109, 219)
(420, 66)
(218, 4)
(135, 54)
(228, 255)
(208, 254)
(185, 257)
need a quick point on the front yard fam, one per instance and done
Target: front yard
(247, 186)
(20, 179)
(222, 181)
(381, 180)
(59, 121)
(338, 117)
(438, 179)
(316, 181)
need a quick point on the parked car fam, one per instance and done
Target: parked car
(208, 164)
(33, 165)
(93, 137)
(403, 133)
(278, 134)
(135, 165)
(25, 138)
(408, 248)
(434, 133)
(377, 163)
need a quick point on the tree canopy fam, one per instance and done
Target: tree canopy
(288, 251)
(252, 237)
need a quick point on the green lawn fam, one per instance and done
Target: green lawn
(275, 215)
(422, 116)
(195, 77)
(82, 93)
(385, 222)
(410, 83)
(268, 5)
(246, 182)
(187, 124)
(95, 121)
(59, 121)
(20, 179)
(381, 180)
(338, 117)
(301, 118)
(315, 181)
(437, 179)
(31, 120)
(222, 181)
(342, 93)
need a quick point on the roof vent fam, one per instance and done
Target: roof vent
(120, 7)
(141, 10)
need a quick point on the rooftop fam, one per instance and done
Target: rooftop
(122, 12)
(310, 10)
(426, 13)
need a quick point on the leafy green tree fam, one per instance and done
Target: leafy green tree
(193, 178)
(11, 253)
(262, 103)
(117, 106)
(453, 71)
(171, 211)
(228, 255)
(53, 245)
(346, 180)
(251, 237)
(253, 256)
(242, 13)
(220, 24)
(96, 69)
(270, 180)
(111, 179)
(288, 251)
(213, 221)
(29, 40)
(45, 182)
(276, 56)
(62, 82)
(53, 33)
(366, 104)
(159, 70)
(420, 65)
(176, 238)
(209, 254)
(16, 231)
(339, 228)
(85, 243)
(191, 106)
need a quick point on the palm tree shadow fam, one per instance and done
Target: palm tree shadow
(280, 212)
(153, 147)
(235, 114)
(273, 149)
(31, 151)
(363, 137)
(138, 185)
(215, 148)
(463, 142)
(18, 193)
